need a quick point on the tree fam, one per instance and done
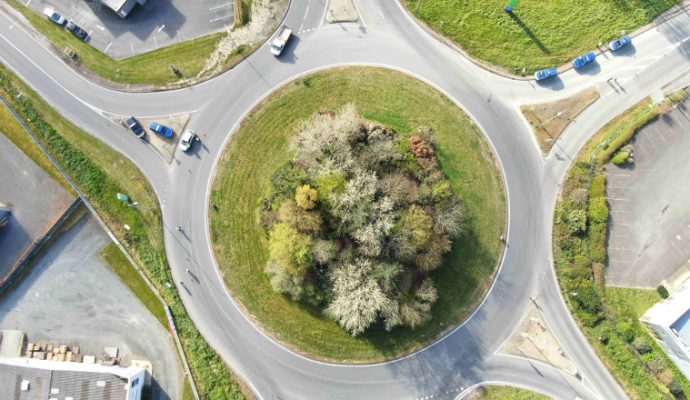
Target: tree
(284, 282)
(416, 228)
(308, 222)
(417, 310)
(448, 218)
(289, 249)
(306, 197)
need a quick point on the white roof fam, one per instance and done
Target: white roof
(123, 372)
(666, 312)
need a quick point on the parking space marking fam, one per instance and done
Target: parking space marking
(161, 27)
(107, 47)
(619, 187)
(678, 237)
(618, 248)
(618, 174)
(28, 2)
(621, 212)
(220, 6)
(619, 261)
(219, 18)
(616, 199)
(155, 41)
(131, 46)
(100, 27)
(656, 129)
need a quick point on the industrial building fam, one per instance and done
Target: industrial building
(122, 7)
(669, 321)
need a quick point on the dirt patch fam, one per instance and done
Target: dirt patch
(548, 120)
(162, 145)
(266, 15)
(341, 11)
(533, 339)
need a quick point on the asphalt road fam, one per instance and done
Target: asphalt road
(384, 37)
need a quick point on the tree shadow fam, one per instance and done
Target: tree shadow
(529, 33)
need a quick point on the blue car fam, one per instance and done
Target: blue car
(161, 129)
(620, 42)
(584, 60)
(545, 73)
(136, 127)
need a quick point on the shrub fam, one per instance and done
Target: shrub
(626, 330)
(663, 292)
(597, 243)
(306, 197)
(598, 210)
(641, 345)
(597, 187)
(675, 388)
(577, 221)
(621, 157)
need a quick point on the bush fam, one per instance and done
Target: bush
(675, 388)
(577, 221)
(663, 292)
(598, 210)
(641, 345)
(621, 157)
(597, 187)
(597, 242)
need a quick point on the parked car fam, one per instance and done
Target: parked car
(620, 42)
(545, 73)
(187, 139)
(76, 30)
(584, 60)
(54, 16)
(161, 129)
(136, 127)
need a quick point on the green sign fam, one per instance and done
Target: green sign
(122, 196)
(513, 3)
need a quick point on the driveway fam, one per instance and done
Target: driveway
(649, 233)
(157, 24)
(36, 200)
(71, 297)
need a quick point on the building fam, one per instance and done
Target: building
(669, 321)
(29, 379)
(122, 7)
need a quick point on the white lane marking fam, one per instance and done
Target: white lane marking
(107, 47)
(179, 39)
(219, 18)
(325, 9)
(161, 27)
(28, 2)
(49, 76)
(90, 32)
(306, 13)
(131, 46)
(380, 12)
(220, 6)
(11, 26)
(359, 13)
(155, 41)
(100, 27)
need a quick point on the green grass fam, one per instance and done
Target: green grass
(17, 135)
(635, 301)
(100, 173)
(541, 34)
(510, 393)
(117, 261)
(148, 68)
(262, 145)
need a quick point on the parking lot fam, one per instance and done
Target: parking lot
(70, 296)
(649, 231)
(36, 201)
(157, 24)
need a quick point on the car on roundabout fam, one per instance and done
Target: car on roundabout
(187, 140)
(620, 42)
(545, 73)
(161, 129)
(584, 60)
(54, 16)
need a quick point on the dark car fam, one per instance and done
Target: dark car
(161, 129)
(136, 127)
(76, 30)
(620, 42)
(545, 73)
(584, 60)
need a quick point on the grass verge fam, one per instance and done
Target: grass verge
(538, 34)
(549, 120)
(151, 68)
(100, 173)
(609, 317)
(504, 393)
(261, 145)
(117, 261)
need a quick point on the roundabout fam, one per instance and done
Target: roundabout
(466, 355)
(263, 143)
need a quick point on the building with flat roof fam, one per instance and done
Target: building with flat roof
(122, 7)
(669, 321)
(30, 379)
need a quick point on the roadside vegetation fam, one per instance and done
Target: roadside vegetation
(151, 68)
(101, 173)
(609, 317)
(538, 34)
(492, 392)
(262, 145)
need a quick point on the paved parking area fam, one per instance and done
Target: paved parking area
(157, 24)
(36, 200)
(70, 296)
(649, 231)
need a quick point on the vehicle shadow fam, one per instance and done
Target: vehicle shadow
(288, 55)
(626, 51)
(592, 68)
(529, 32)
(555, 83)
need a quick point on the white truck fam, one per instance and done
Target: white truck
(281, 40)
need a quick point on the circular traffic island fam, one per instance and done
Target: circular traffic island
(356, 214)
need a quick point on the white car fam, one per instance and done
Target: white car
(54, 16)
(187, 138)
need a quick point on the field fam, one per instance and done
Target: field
(538, 34)
(262, 145)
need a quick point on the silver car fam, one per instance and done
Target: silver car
(187, 138)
